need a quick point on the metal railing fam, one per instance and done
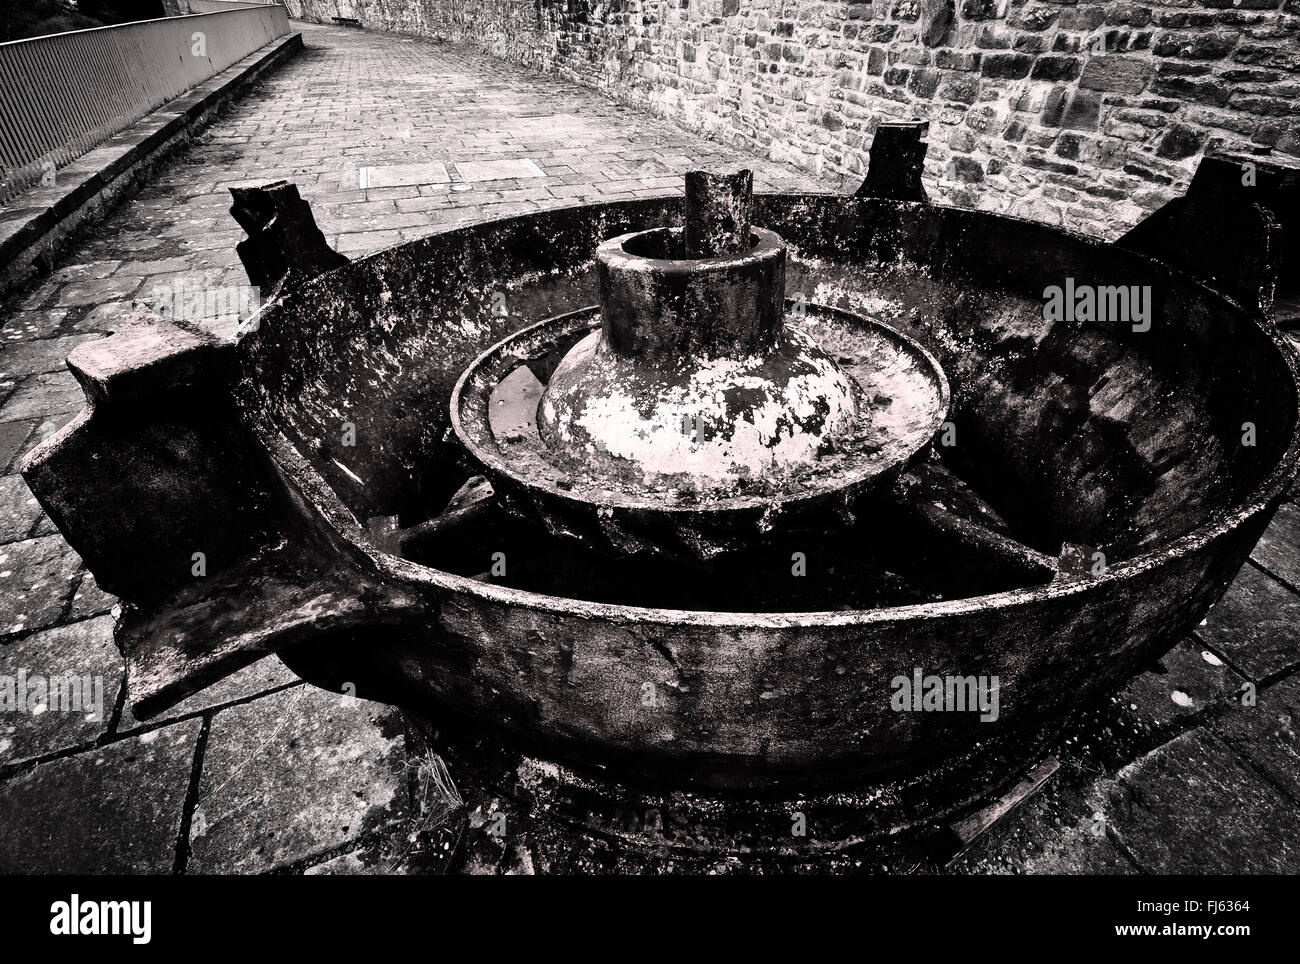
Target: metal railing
(212, 6)
(64, 94)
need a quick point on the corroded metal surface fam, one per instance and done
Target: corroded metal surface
(897, 159)
(704, 413)
(904, 397)
(282, 235)
(717, 213)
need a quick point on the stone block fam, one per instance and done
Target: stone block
(1278, 549)
(1010, 66)
(1193, 807)
(295, 774)
(1115, 74)
(1256, 625)
(115, 810)
(58, 689)
(36, 578)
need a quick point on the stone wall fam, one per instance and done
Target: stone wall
(1075, 113)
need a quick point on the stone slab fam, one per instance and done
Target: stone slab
(1187, 680)
(115, 810)
(83, 650)
(497, 170)
(19, 509)
(43, 396)
(89, 600)
(1266, 734)
(1256, 625)
(33, 324)
(1054, 833)
(12, 437)
(397, 175)
(264, 676)
(47, 426)
(36, 578)
(96, 290)
(38, 357)
(1278, 549)
(293, 775)
(1193, 807)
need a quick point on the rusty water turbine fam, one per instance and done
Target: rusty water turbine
(316, 466)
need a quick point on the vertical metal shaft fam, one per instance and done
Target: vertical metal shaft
(717, 213)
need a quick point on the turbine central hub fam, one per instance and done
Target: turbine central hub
(701, 411)
(695, 377)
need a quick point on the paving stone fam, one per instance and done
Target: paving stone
(1266, 733)
(571, 192)
(399, 222)
(12, 437)
(105, 317)
(47, 426)
(40, 356)
(113, 810)
(365, 242)
(1193, 807)
(423, 205)
(1256, 625)
(32, 324)
(137, 269)
(355, 864)
(36, 578)
(1053, 833)
(19, 509)
(94, 291)
(429, 841)
(89, 600)
(36, 300)
(216, 240)
(400, 193)
(1188, 680)
(417, 850)
(1278, 550)
(357, 216)
(34, 719)
(41, 396)
(295, 774)
(84, 272)
(261, 677)
(45, 527)
(497, 170)
(394, 175)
